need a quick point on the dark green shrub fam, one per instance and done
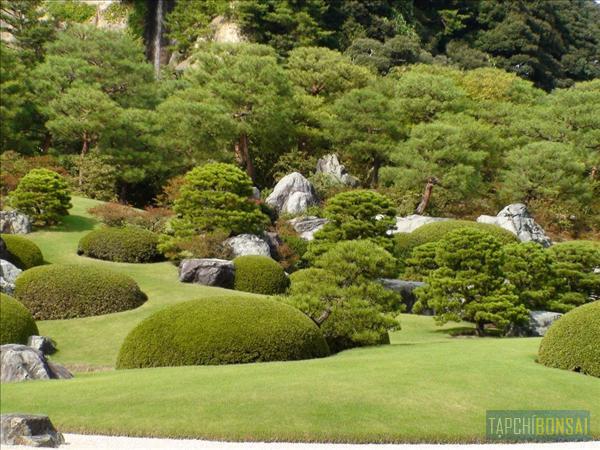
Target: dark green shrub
(228, 330)
(16, 322)
(129, 244)
(22, 252)
(572, 342)
(216, 196)
(573, 264)
(69, 291)
(43, 195)
(259, 274)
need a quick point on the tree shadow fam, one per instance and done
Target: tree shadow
(74, 224)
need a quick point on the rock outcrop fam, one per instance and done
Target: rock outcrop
(405, 289)
(207, 271)
(410, 223)
(540, 321)
(42, 343)
(21, 363)
(28, 429)
(8, 275)
(330, 165)
(248, 244)
(293, 194)
(307, 226)
(516, 219)
(14, 222)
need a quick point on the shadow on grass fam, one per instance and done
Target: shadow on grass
(457, 331)
(73, 224)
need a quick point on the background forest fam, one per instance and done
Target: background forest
(498, 101)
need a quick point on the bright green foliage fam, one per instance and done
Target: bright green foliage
(459, 152)
(16, 323)
(491, 84)
(222, 330)
(576, 282)
(260, 275)
(216, 197)
(22, 252)
(98, 176)
(343, 297)
(571, 343)
(528, 267)
(43, 195)
(129, 244)
(71, 10)
(421, 262)
(469, 283)
(357, 214)
(67, 291)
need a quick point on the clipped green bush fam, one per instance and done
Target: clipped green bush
(16, 322)
(22, 252)
(572, 342)
(260, 275)
(129, 244)
(68, 291)
(222, 330)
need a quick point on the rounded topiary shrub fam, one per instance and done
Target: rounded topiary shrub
(16, 322)
(572, 342)
(260, 275)
(68, 291)
(22, 252)
(225, 330)
(129, 244)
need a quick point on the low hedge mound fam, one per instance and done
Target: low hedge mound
(22, 252)
(69, 291)
(222, 330)
(260, 275)
(16, 322)
(129, 244)
(572, 342)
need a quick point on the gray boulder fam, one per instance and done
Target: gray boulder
(255, 193)
(21, 363)
(248, 244)
(207, 271)
(8, 275)
(307, 226)
(42, 343)
(330, 165)
(28, 429)
(294, 194)
(14, 222)
(516, 219)
(405, 289)
(540, 321)
(410, 223)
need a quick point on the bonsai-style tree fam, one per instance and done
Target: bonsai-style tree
(216, 196)
(469, 283)
(43, 195)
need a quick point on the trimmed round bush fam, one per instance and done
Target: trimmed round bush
(69, 291)
(22, 252)
(16, 322)
(260, 275)
(571, 343)
(222, 330)
(129, 244)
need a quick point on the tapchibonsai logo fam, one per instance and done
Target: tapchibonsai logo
(541, 425)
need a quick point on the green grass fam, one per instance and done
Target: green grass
(426, 386)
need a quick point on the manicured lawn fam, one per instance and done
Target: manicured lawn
(426, 386)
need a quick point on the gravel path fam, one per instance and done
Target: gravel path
(89, 442)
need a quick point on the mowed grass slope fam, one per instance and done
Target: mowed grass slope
(426, 386)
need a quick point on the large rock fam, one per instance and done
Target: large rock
(292, 195)
(330, 165)
(540, 321)
(405, 289)
(248, 244)
(21, 363)
(8, 275)
(410, 223)
(307, 226)
(42, 343)
(516, 219)
(28, 429)
(14, 222)
(207, 271)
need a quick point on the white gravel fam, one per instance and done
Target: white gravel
(87, 442)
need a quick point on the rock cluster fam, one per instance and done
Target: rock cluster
(8, 275)
(330, 165)
(293, 194)
(516, 219)
(21, 363)
(14, 222)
